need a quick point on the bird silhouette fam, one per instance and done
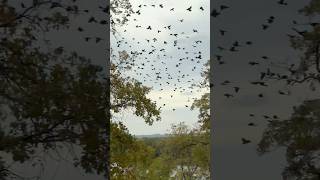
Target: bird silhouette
(282, 2)
(214, 13)
(251, 124)
(223, 7)
(236, 89)
(245, 141)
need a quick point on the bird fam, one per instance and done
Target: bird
(222, 32)
(283, 93)
(225, 82)
(219, 57)
(233, 49)
(262, 75)
(236, 44)
(98, 39)
(189, 8)
(266, 116)
(270, 20)
(282, 2)
(223, 7)
(103, 22)
(92, 19)
(264, 26)
(245, 141)
(252, 63)
(228, 95)
(236, 89)
(214, 13)
(251, 124)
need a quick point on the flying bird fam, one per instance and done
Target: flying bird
(245, 141)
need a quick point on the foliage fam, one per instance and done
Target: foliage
(188, 152)
(203, 104)
(300, 135)
(183, 154)
(128, 163)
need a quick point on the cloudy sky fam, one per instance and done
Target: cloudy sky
(158, 18)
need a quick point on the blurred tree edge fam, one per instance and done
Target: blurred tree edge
(299, 135)
(51, 99)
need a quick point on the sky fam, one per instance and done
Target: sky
(158, 18)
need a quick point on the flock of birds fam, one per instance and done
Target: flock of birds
(172, 65)
(261, 80)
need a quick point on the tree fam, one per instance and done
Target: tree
(188, 153)
(130, 157)
(299, 134)
(203, 104)
(54, 99)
